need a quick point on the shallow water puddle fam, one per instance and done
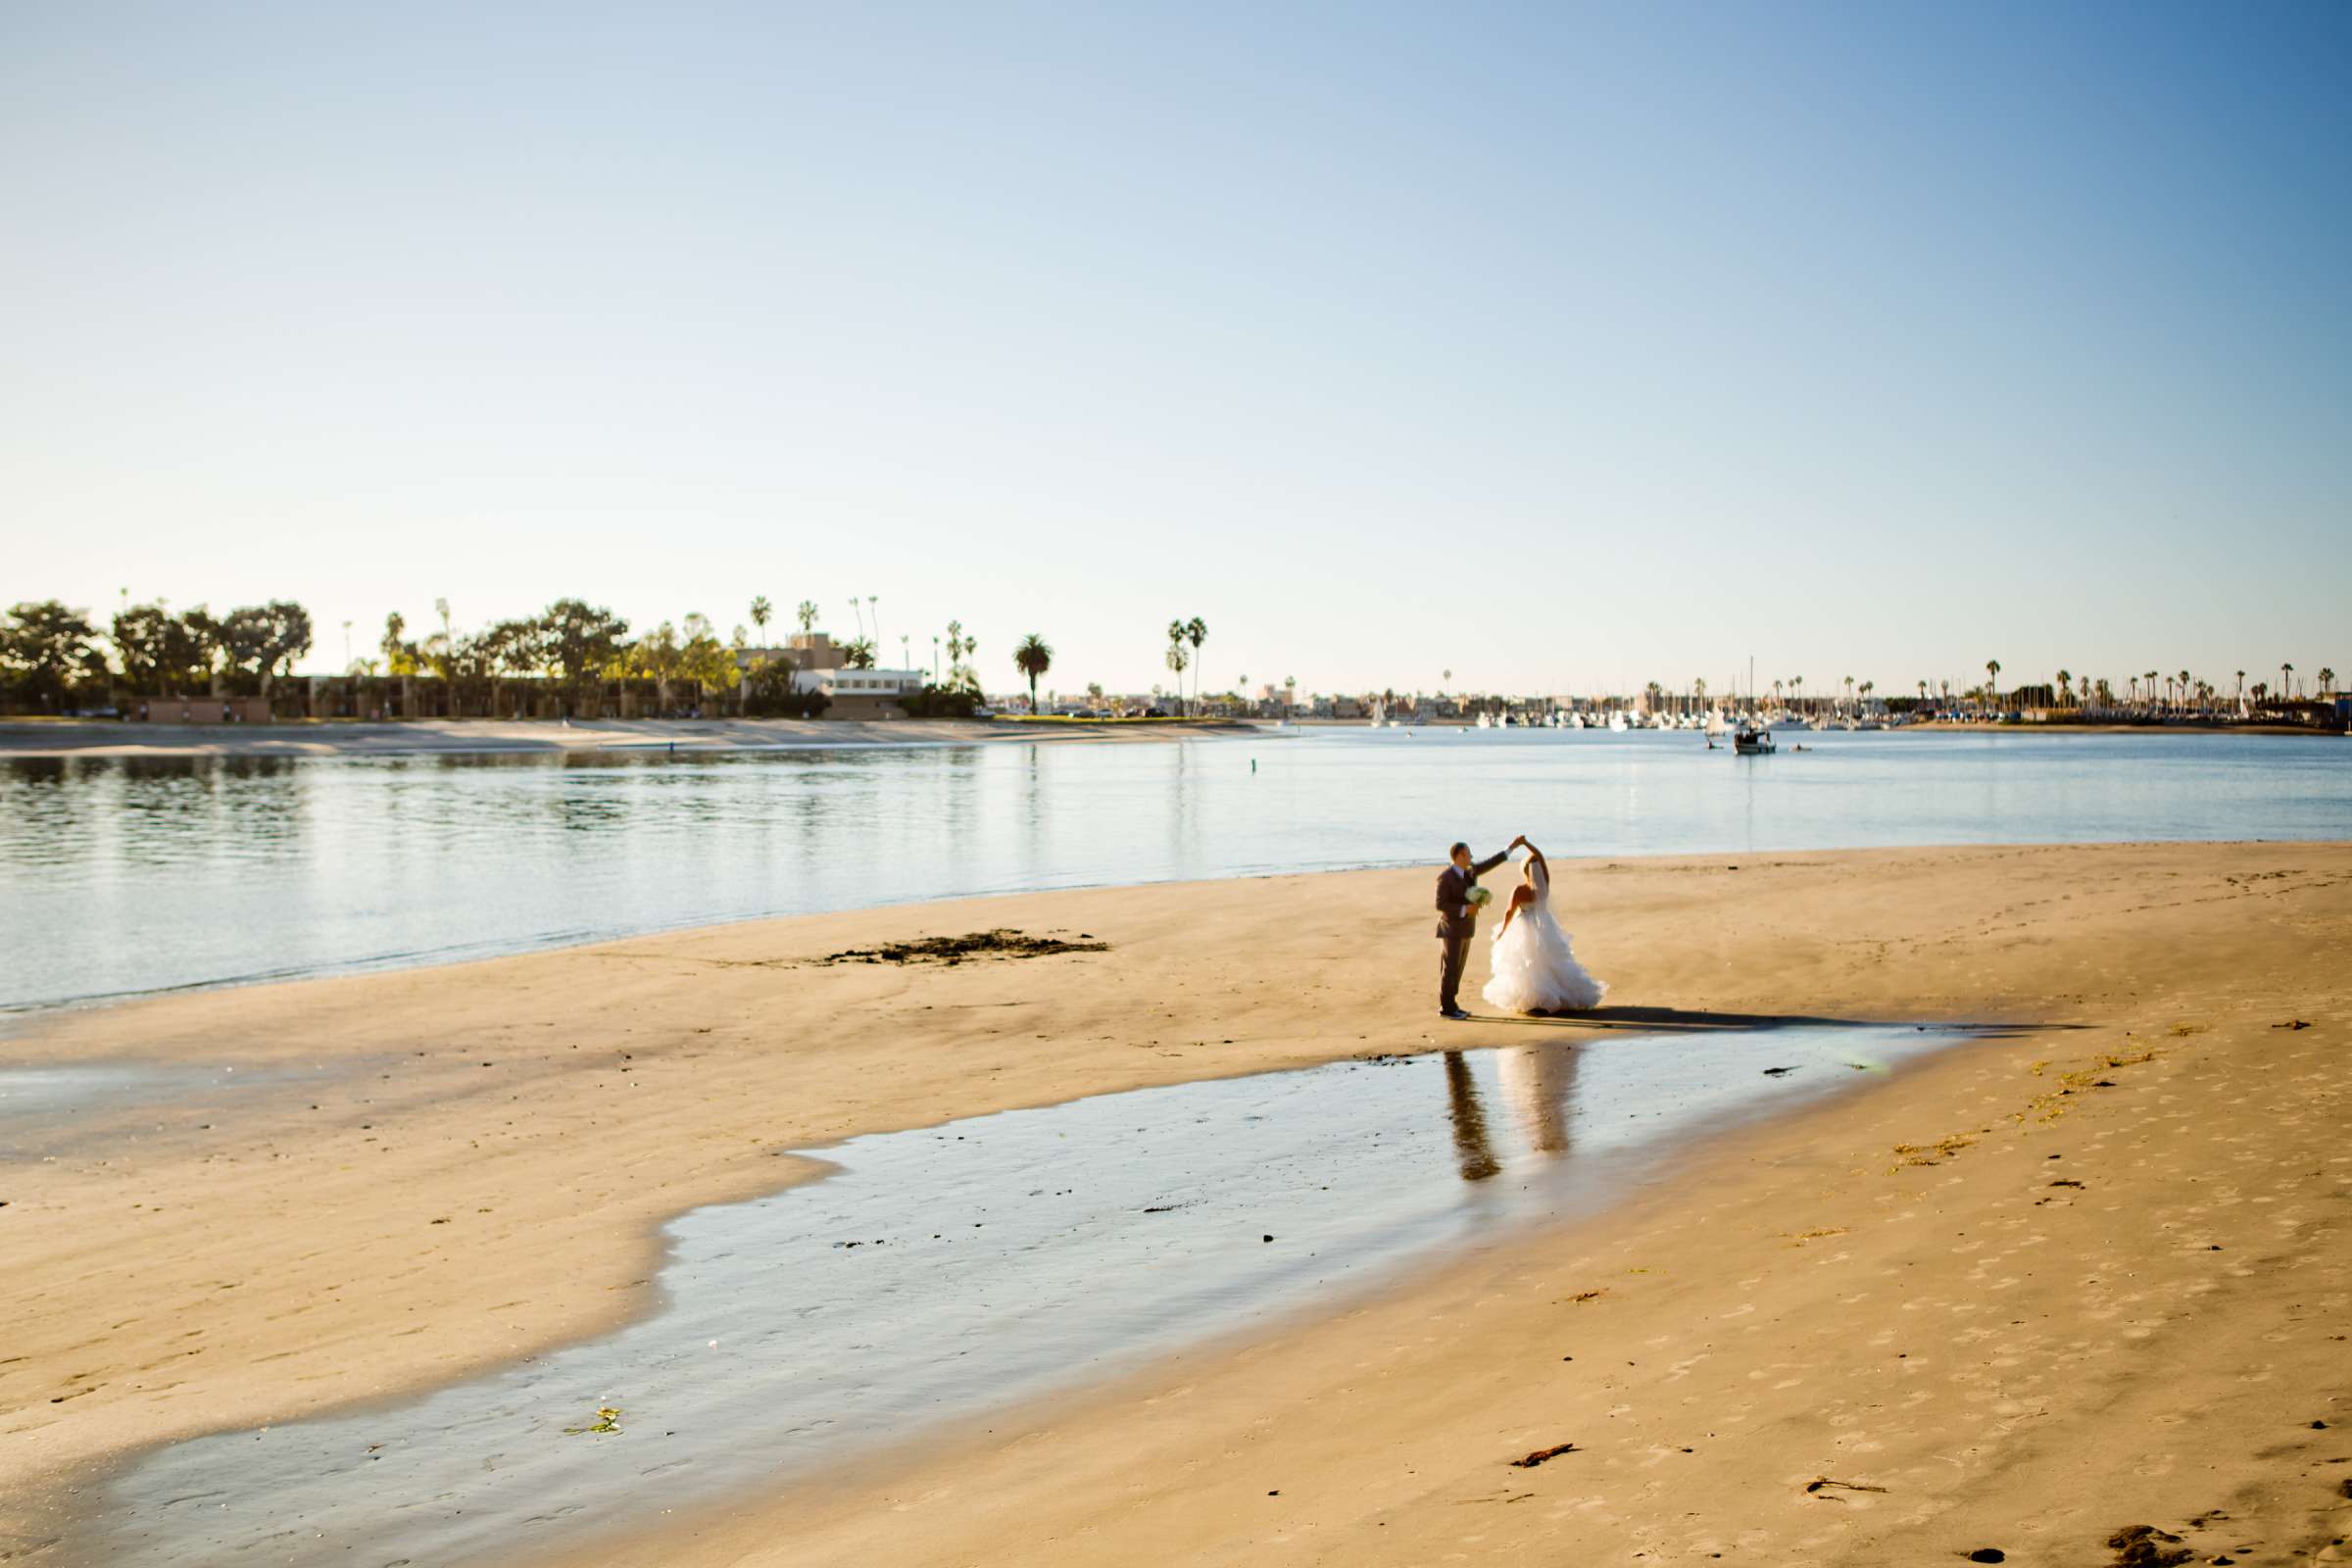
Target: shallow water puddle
(941, 1272)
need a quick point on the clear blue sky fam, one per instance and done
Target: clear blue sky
(1564, 346)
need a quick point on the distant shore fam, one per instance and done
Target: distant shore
(30, 737)
(34, 737)
(1941, 726)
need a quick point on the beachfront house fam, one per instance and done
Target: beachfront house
(821, 665)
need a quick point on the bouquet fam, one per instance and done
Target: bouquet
(1480, 897)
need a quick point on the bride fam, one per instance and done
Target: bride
(1535, 969)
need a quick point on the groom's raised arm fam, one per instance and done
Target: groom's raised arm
(1490, 863)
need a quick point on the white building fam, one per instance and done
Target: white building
(885, 685)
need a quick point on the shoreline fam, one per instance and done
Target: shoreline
(844, 1489)
(1955, 727)
(34, 737)
(1732, 1336)
(834, 1511)
(733, 1076)
(16, 1018)
(1631, 1178)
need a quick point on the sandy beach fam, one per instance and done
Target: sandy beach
(2092, 1274)
(537, 737)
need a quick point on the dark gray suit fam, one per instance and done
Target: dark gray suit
(1456, 921)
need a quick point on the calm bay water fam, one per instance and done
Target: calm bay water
(120, 876)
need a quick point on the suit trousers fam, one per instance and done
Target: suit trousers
(1454, 957)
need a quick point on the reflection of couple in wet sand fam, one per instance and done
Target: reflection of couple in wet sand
(1536, 1080)
(1535, 971)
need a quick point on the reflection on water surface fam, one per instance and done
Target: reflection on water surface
(948, 1270)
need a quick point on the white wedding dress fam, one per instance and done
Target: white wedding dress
(1534, 968)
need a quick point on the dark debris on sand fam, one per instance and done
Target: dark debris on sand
(2146, 1546)
(999, 944)
(1541, 1454)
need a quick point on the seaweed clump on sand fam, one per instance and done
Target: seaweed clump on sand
(999, 944)
(2146, 1546)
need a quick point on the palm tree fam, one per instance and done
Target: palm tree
(760, 611)
(1175, 645)
(1289, 694)
(873, 601)
(1033, 659)
(2241, 688)
(1850, 691)
(1992, 683)
(2327, 680)
(2286, 683)
(806, 616)
(1196, 632)
(2183, 678)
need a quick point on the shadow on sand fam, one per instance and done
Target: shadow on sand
(1681, 1020)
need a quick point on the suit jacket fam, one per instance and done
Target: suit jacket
(1453, 895)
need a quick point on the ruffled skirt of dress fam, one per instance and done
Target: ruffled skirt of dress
(1536, 970)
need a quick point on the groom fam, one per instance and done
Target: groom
(1457, 920)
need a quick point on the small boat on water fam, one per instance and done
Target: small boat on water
(1753, 742)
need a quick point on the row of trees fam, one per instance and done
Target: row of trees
(2154, 691)
(47, 651)
(580, 646)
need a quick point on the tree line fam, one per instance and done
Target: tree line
(51, 654)
(48, 651)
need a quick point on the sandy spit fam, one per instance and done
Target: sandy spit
(1893, 1327)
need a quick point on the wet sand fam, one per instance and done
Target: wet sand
(546, 737)
(1901, 1290)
